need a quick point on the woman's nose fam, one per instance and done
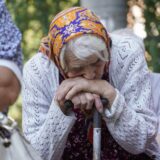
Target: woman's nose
(89, 73)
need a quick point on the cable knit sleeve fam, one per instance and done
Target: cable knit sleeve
(44, 125)
(130, 119)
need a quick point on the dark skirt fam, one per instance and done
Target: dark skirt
(79, 145)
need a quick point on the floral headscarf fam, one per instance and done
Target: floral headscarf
(67, 25)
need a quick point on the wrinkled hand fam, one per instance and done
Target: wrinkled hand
(73, 86)
(84, 92)
(84, 101)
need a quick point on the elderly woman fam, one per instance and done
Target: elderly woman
(80, 61)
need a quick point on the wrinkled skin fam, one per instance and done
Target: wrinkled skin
(84, 85)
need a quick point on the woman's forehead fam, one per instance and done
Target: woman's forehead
(74, 62)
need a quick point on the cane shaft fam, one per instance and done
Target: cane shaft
(97, 131)
(96, 135)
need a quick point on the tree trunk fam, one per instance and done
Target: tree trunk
(111, 12)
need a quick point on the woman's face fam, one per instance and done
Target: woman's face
(91, 68)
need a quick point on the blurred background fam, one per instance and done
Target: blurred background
(33, 18)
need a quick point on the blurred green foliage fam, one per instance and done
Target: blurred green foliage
(152, 41)
(33, 18)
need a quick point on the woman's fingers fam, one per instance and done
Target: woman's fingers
(83, 93)
(83, 85)
(90, 101)
(76, 101)
(63, 89)
(74, 90)
(98, 103)
(85, 101)
(70, 87)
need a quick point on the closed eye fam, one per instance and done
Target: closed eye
(97, 62)
(76, 69)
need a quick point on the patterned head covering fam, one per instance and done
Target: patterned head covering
(10, 39)
(67, 25)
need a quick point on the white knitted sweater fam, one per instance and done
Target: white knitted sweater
(130, 121)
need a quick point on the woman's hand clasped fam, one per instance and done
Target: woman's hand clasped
(84, 93)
